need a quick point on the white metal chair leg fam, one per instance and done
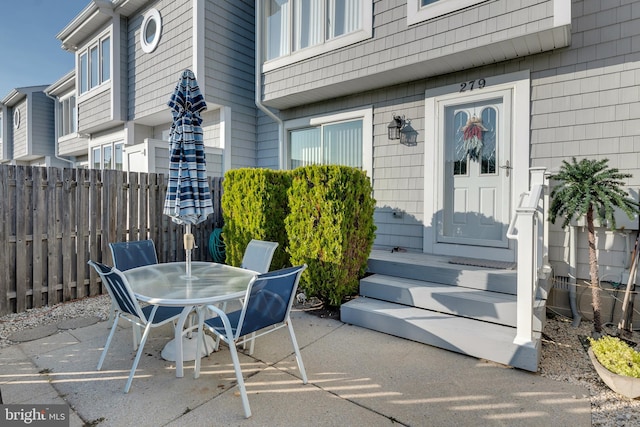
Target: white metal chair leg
(114, 326)
(138, 354)
(136, 336)
(296, 349)
(240, 380)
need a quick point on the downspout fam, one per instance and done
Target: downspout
(56, 115)
(258, 83)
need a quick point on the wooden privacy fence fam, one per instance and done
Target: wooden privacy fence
(55, 220)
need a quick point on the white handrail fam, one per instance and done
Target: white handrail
(512, 225)
(527, 227)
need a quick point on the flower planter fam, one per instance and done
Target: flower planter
(626, 386)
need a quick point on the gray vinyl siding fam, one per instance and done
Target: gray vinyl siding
(124, 66)
(268, 150)
(397, 51)
(229, 67)
(153, 76)
(20, 148)
(72, 147)
(3, 146)
(94, 111)
(42, 125)
(586, 103)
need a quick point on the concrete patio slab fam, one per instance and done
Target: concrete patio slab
(356, 377)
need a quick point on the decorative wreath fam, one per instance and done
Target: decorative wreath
(472, 137)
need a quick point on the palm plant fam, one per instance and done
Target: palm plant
(593, 189)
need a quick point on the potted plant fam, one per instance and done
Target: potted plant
(617, 364)
(592, 189)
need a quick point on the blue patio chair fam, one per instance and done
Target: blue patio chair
(128, 255)
(257, 257)
(127, 308)
(266, 308)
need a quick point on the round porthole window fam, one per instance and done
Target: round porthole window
(150, 31)
(16, 119)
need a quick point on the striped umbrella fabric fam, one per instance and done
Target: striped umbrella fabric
(188, 199)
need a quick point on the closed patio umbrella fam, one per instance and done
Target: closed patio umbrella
(188, 199)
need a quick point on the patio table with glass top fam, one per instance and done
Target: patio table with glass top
(168, 284)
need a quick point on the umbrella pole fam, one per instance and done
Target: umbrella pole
(188, 246)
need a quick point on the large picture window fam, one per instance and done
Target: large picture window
(94, 64)
(337, 139)
(330, 144)
(298, 29)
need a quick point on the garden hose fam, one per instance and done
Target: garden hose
(216, 246)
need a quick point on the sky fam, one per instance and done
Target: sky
(30, 54)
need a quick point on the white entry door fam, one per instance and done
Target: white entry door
(475, 167)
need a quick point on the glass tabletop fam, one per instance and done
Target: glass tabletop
(168, 284)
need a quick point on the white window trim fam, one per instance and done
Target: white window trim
(336, 43)
(61, 105)
(520, 85)
(16, 118)
(149, 16)
(102, 85)
(364, 114)
(100, 146)
(417, 13)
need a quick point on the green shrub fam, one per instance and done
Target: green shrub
(254, 206)
(331, 229)
(617, 356)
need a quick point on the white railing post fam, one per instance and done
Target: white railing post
(527, 225)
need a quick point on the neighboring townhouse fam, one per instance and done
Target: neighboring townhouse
(72, 145)
(129, 56)
(27, 128)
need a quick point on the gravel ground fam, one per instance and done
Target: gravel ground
(563, 356)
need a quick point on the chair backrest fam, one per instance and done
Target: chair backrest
(128, 255)
(269, 299)
(258, 255)
(119, 289)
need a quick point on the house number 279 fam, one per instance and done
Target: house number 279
(472, 84)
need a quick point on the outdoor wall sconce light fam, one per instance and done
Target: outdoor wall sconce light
(408, 135)
(394, 127)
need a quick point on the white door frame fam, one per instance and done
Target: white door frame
(519, 84)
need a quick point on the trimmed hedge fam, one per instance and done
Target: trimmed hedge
(254, 205)
(319, 215)
(331, 229)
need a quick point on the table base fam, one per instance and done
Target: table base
(188, 348)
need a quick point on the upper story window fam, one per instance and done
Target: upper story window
(423, 10)
(68, 117)
(95, 64)
(299, 29)
(336, 139)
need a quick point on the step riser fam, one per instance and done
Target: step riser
(472, 303)
(466, 336)
(449, 274)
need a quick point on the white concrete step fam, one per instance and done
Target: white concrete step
(475, 338)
